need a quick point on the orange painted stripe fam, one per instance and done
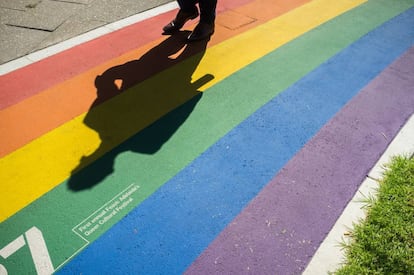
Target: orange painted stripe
(21, 84)
(35, 116)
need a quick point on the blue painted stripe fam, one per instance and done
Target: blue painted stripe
(173, 226)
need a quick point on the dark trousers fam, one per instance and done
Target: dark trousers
(207, 9)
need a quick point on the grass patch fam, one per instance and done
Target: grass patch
(384, 242)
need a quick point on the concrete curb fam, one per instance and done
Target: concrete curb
(88, 36)
(330, 254)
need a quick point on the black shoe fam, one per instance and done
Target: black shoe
(179, 21)
(201, 32)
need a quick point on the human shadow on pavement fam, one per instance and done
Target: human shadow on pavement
(144, 110)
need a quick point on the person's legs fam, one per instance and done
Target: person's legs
(205, 28)
(188, 10)
(207, 11)
(188, 6)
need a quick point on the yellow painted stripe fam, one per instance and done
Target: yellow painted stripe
(33, 170)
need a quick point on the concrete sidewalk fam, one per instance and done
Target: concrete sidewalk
(27, 26)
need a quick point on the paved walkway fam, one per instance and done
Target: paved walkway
(27, 26)
(125, 151)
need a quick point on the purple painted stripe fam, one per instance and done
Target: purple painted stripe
(279, 234)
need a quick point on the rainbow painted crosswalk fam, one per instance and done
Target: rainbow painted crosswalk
(141, 154)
